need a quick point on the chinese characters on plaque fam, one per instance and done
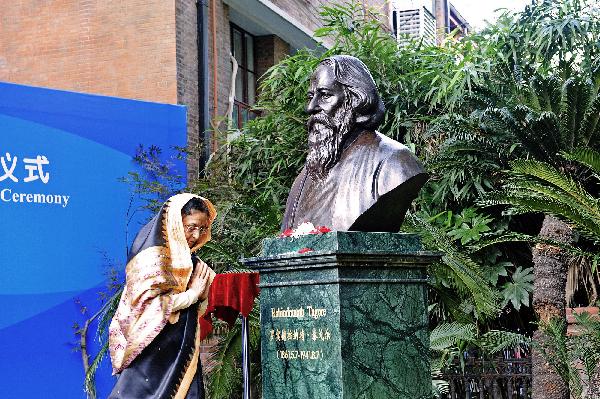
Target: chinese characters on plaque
(304, 339)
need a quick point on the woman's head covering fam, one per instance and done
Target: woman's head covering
(159, 265)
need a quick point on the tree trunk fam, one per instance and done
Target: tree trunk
(550, 265)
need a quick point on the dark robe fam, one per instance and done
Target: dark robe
(156, 372)
(369, 189)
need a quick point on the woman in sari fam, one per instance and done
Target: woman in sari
(154, 335)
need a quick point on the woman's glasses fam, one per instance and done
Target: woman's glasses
(192, 228)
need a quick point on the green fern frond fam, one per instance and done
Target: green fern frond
(578, 199)
(509, 237)
(587, 343)
(589, 325)
(495, 341)
(585, 98)
(538, 132)
(556, 343)
(439, 387)
(468, 280)
(547, 91)
(447, 335)
(562, 352)
(466, 274)
(449, 304)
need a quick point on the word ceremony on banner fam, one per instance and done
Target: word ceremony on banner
(27, 170)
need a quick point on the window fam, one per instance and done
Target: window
(242, 48)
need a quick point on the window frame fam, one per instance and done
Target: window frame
(243, 68)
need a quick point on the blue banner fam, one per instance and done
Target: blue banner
(66, 220)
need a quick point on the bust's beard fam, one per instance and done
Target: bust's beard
(326, 136)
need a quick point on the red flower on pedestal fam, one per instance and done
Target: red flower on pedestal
(286, 233)
(323, 229)
(320, 230)
(303, 229)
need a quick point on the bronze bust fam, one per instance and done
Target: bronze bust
(354, 178)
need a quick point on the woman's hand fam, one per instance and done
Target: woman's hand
(201, 279)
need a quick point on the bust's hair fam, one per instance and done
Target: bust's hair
(354, 75)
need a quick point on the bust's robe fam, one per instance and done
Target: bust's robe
(369, 189)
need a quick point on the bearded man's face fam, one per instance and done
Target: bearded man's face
(331, 119)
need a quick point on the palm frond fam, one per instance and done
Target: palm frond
(449, 304)
(585, 156)
(225, 376)
(580, 209)
(106, 314)
(547, 89)
(549, 174)
(439, 387)
(587, 343)
(554, 348)
(540, 133)
(536, 186)
(563, 352)
(590, 129)
(575, 103)
(519, 237)
(90, 377)
(525, 202)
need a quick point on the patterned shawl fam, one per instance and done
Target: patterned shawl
(159, 266)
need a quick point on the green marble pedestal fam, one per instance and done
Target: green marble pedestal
(345, 319)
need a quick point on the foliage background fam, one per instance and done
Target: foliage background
(520, 89)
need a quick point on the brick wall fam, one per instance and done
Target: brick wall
(307, 11)
(218, 109)
(122, 48)
(186, 15)
(269, 50)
